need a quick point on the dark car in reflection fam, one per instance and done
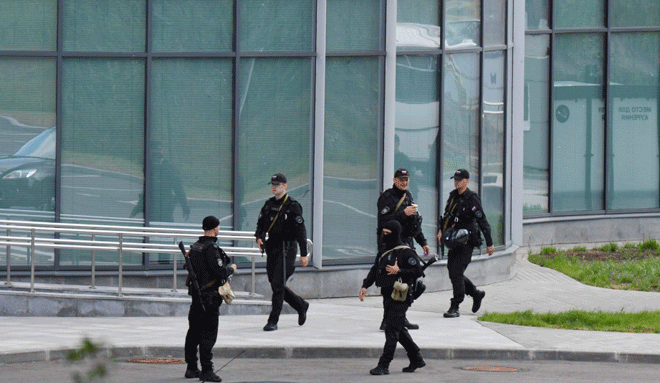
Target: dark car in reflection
(27, 177)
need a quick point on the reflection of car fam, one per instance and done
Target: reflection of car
(27, 177)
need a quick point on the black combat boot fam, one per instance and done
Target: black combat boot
(209, 376)
(416, 361)
(452, 313)
(382, 325)
(478, 297)
(379, 370)
(192, 372)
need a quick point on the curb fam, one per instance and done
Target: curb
(347, 352)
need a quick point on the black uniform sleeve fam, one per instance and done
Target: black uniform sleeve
(299, 227)
(217, 271)
(409, 267)
(371, 277)
(262, 223)
(478, 212)
(421, 239)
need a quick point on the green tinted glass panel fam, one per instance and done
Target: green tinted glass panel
(494, 22)
(579, 13)
(110, 25)
(536, 125)
(633, 101)
(191, 141)
(27, 147)
(462, 23)
(577, 127)
(492, 195)
(635, 13)
(102, 137)
(276, 25)
(28, 25)
(416, 134)
(275, 107)
(537, 14)
(193, 26)
(418, 24)
(353, 25)
(352, 126)
(460, 111)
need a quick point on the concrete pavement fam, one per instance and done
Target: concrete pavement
(348, 328)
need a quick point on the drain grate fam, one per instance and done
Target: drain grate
(492, 369)
(156, 361)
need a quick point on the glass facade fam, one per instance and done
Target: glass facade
(599, 120)
(157, 113)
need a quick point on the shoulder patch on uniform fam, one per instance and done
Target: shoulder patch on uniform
(299, 219)
(385, 210)
(477, 213)
(412, 261)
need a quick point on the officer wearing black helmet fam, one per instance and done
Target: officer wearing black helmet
(281, 218)
(461, 222)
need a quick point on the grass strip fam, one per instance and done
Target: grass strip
(639, 322)
(639, 275)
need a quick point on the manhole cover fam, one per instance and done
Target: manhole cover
(492, 368)
(156, 361)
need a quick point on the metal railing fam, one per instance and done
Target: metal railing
(228, 242)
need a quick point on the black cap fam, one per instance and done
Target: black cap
(461, 174)
(210, 223)
(401, 173)
(277, 179)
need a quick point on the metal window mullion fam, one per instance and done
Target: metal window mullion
(58, 123)
(441, 89)
(236, 116)
(146, 184)
(318, 137)
(551, 102)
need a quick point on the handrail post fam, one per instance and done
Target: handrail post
(253, 287)
(32, 232)
(121, 263)
(93, 286)
(174, 262)
(8, 260)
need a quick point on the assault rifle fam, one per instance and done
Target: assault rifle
(193, 276)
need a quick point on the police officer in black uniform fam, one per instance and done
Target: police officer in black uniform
(464, 211)
(281, 218)
(397, 261)
(396, 203)
(212, 268)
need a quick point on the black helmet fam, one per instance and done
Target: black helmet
(452, 238)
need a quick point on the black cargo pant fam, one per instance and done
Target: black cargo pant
(458, 260)
(395, 331)
(275, 251)
(202, 330)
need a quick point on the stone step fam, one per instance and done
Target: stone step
(72, 300)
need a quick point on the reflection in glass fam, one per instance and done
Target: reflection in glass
(579, 13)
(494, 22)
(274, 133)
(416, 133)
(537, 14)
(536, 124)
(460, 127)
(102, 146)
(492, 195)
(633, 101)
(462, 23)
(191, 134)
(418, 25)
(353, 25)
(192, 26)
(635, 13)
(578, 126)
(28, 25)
(110, 25)
(276, 25)
(352, 126)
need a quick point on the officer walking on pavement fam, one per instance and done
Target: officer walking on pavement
(281, 218)
(463, 218)
(396, 203)
(395, 269)
(212, 268)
